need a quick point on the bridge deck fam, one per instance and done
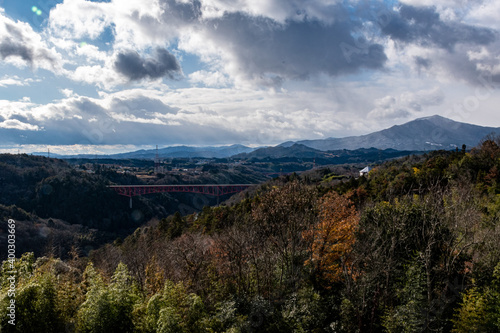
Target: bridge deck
(209, 189)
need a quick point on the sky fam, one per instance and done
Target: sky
(112, 76)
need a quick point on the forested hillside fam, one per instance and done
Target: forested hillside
(58, 206)
(412, 247)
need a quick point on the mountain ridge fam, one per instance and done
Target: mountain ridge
(427, 133)
(422, 134)
(182, 151)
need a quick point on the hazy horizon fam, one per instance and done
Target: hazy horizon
(68, 150)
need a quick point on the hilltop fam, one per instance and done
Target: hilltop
(429, 133)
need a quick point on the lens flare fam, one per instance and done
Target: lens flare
(38, 12)
(34, 9)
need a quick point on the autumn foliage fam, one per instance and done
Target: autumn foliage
(412, 247)
(332, 237)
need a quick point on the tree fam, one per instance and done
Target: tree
(108, 309)
(408, 316)
(281, 216)
(154, 277)
(389, 236)
(175, 310)
(190, 256)
(480, 308)
(172, 226)
(36, 308)
(332, 238)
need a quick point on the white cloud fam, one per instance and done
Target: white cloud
(21, 46)
(209, 79)
(406, 105)
(16, 124)
(91, 53)
(14, 81)
(68, 92)
(78, 19)
(102, 76)
(139, 115)
(486, 14)
(417, 101)
(13, 108)
(279, 10)
(134, 23)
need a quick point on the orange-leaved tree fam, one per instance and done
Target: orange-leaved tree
(332, 238)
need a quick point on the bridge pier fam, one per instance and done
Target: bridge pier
(208, 189)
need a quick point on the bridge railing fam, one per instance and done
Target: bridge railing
(208, 189)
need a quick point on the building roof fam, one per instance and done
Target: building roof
(366, 169)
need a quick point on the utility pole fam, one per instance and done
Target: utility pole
(157, 161)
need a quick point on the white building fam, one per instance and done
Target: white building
(365, 171)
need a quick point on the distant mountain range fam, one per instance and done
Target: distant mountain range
(170, 152)
(303, 153)
(423, 134)
(187, 151)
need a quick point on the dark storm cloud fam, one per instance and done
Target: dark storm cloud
(424, 26)
(134, 67)
(295, 49)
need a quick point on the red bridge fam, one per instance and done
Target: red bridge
(209, 189)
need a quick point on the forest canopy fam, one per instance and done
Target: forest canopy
(411, 247)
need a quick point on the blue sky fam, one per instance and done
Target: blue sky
(89, 76)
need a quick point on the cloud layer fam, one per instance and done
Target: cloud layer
(143, 72)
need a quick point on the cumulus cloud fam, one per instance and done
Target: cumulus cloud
(388, 107)
(209, 79)
(21, 45)
(486, 14)
(448, 49)
(134, 67)
(14, 81)
(306, 51)
(135, 24)
(18, 125)
(267, 52)
(141, 117)
(423, 25)
(104, 77)
(114, 119)
(417, 101)
(267, 43)
(406, 104)
(264, 42)
(9, 47)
